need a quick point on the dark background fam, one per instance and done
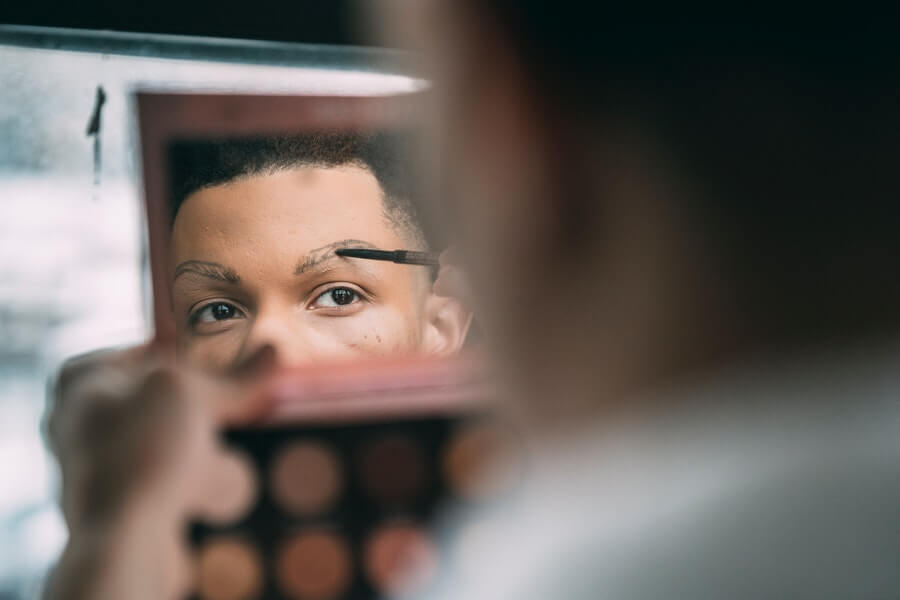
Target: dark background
(305, 21)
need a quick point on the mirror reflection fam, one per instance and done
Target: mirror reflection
(255, 225)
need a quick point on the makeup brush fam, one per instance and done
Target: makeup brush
(404, 257)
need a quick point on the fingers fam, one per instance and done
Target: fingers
(135, 436)
(93, 384)
(109, 443)
(108, 372)
(131, 432)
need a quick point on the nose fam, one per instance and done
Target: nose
(281, 334)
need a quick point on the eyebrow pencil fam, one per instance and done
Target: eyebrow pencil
(405, 257)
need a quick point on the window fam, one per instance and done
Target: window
(72, 264)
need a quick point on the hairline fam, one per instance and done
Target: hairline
(399, 222)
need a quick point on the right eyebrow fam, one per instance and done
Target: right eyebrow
(211, 270)
(317, 256)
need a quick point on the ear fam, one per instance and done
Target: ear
(447, 323)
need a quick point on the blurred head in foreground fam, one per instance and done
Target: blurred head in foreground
(642, 204)
(255, 224)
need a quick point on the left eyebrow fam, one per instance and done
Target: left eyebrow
(326, 253)
(211, 270)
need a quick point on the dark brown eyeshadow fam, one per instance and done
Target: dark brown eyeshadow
(392, 469)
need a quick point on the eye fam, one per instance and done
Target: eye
(336, 297)
(215, 312)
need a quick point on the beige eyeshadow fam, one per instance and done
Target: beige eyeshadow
(314, 565)
(400, 559)
(481, 461)
(231, 490)
(228, 568)
(392, 469)
(306, 477)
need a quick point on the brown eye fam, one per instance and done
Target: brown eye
(339, 296)
(217, 311)
(342, 296)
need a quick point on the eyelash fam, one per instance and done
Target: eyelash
(359, 296)
(194, 317)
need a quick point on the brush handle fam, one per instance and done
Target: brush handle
(411, 257)
(405, 257)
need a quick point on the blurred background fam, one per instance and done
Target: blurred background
(73, 272)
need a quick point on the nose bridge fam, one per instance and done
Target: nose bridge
(280, 327)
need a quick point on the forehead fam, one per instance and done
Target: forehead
(292, 210)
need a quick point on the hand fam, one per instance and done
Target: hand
(135, 438)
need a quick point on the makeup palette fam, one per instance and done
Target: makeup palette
(342, 480)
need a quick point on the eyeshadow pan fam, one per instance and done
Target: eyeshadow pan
(481, 461)
(400, 559)
(393, 469)
(314, 565)
(228, 568)
(232, 488)
(336, 503)
(306, 477)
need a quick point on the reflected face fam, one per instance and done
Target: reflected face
(253, 264)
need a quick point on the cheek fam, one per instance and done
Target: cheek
(211, 353)
(378, 331)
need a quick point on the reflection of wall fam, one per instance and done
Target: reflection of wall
(70, 252)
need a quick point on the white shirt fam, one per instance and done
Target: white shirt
(777, 482)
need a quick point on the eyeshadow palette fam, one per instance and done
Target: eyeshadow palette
(342, 482)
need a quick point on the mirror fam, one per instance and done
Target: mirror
(249, 200)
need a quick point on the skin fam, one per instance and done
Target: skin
(253, 265)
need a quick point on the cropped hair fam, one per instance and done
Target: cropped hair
(199, 164)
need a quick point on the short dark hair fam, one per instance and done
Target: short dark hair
(198, 164)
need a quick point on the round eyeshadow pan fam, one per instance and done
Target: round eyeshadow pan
(306, 478)
(233, 489)
(400, 559)
(228, 569)
(480, 461)
(392, 470)
(314, 565)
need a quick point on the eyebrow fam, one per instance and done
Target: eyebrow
(326, 253)
(211, 270)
